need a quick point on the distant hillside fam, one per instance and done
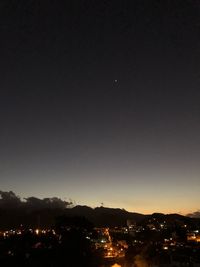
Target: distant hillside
(34, 212)
(102, 216)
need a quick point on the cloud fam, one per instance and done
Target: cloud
(9, 200)
(195, 214)
(46, 203)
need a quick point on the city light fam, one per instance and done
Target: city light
(37, 231)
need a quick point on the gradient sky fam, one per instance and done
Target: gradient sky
(100, 102)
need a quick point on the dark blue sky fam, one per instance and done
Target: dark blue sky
(99, 102)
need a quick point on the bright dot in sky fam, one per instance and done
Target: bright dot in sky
(116, 80)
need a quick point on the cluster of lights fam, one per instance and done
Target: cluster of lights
(20, 232)
(10, 232)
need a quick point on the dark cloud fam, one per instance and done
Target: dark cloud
(195, 214)
(31, 212)
(9, 200)
(52, 203)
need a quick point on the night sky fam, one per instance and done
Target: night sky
(100, 102)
